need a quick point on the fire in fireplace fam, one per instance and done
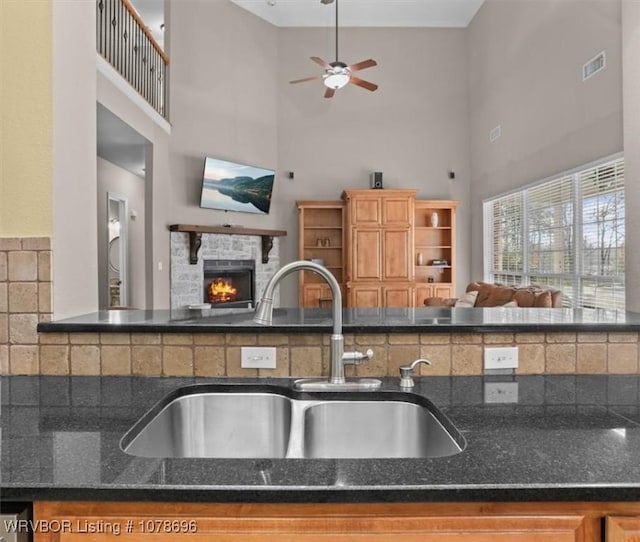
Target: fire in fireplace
(229, 283)
(222, 291)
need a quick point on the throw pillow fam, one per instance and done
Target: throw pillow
(511, 304)
(467, 300)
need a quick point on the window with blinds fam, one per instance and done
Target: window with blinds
(567, 232)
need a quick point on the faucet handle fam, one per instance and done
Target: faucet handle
(406, 371)
(356, 358)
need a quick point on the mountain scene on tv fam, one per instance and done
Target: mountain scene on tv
(234, 187)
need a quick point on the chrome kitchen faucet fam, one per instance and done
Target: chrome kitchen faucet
(339, 358)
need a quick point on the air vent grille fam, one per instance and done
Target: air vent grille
(593, 66)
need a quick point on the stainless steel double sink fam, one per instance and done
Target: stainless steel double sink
(264, 421)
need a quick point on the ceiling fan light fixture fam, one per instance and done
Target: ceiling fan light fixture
(338, 76)
(336, 80)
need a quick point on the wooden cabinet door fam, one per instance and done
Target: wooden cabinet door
(397, 211)
(622, 529)
(327, 529)
(366, 255)
(398, 296)
(365, 296)
(422, 291)
(366, 211)
(397, 254)
(316, 296)
(441, 290)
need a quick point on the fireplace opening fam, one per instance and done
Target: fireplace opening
(229, 283)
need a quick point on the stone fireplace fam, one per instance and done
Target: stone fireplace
(188, 281)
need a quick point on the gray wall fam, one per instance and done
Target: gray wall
(525, 74)
(112, 178)
(156, 253)
(223, 103)
(631, 88)
(75, 257)
(413, 128)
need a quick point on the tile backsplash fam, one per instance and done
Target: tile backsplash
(25, 299)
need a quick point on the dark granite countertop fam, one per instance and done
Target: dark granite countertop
(567, 438)
(355, 320)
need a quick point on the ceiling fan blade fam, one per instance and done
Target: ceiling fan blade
(306, 79)
(363, 65)
(329, 93)
(322, 63)
(362, 83)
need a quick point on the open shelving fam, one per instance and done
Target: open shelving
(434, 242)
(321, 237)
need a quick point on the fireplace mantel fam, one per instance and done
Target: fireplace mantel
(195, 237)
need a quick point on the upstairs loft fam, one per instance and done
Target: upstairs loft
(127, 44)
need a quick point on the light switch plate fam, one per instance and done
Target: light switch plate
(501, 358)
(252, 357)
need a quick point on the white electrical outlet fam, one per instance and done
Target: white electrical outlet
(500, 392)
(501, 358)
(252, 357)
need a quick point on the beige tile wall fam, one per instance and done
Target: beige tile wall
(25, 299)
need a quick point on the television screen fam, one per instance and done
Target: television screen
(236, 187)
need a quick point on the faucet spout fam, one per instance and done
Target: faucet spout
(264, 312)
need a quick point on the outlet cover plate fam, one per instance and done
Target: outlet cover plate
(501, 358)
(252, 357)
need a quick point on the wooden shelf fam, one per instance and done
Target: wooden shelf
(323, 227)
(195, 237)
(314, 247)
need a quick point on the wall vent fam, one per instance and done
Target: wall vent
(593, 66)
(495, 133)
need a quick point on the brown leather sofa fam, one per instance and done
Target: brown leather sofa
(497, 295)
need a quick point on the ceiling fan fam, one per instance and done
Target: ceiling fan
(337, 74)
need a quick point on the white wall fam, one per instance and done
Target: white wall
(114, 179)
(525, 74)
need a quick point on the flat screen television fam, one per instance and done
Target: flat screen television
(236, 187)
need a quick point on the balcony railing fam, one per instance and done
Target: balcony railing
(126, 43)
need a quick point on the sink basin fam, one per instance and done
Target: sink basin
(257, 421)
(230, 423)
(376, 429)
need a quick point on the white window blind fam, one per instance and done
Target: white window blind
(506, 239)
(567, 232)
